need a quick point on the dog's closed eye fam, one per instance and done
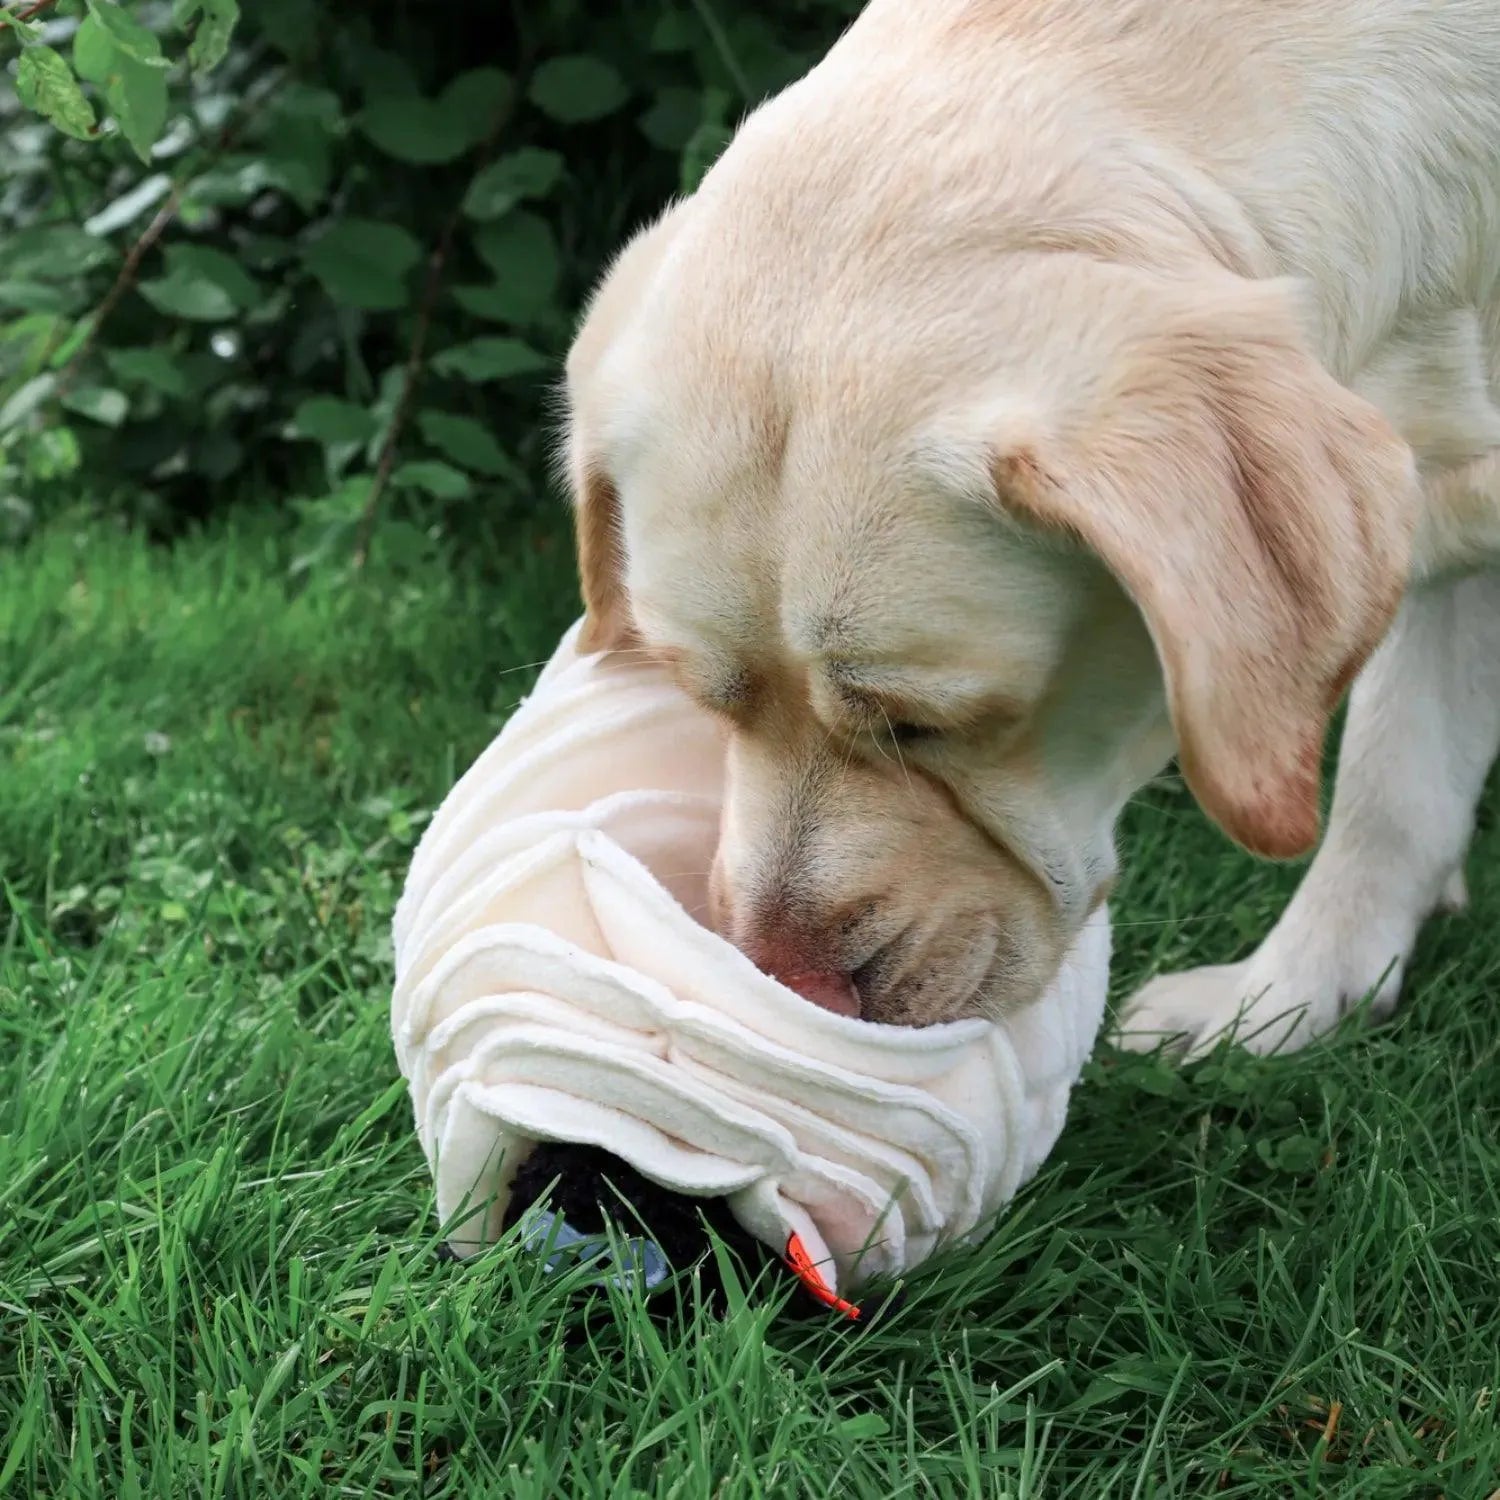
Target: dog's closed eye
(879, 722)
(906, 733)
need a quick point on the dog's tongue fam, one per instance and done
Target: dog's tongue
(827, 989)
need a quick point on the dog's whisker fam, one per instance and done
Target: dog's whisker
(890, 729)
(525, 666)
(637, 653)
(1194, 919)
(845, 758)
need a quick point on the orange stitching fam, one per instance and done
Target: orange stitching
(812, 1278)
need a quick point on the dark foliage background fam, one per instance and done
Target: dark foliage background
(331, 255)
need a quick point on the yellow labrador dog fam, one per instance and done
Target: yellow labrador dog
(1038, 389)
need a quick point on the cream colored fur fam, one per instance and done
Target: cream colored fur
(1035, 390)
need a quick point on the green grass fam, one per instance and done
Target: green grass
(216, 1235)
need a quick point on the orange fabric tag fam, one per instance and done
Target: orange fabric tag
(812, 1278)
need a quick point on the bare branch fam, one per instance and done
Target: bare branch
(416, 355)
(29, 13)
(160, 221)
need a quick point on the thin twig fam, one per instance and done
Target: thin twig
(160, 221)
(410, 379)
(122, 284)
(412, 371)
(20, 17)
(721, 44)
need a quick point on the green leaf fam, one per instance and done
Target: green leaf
(328, 523)
(94, 51)
(522, 252)
(676, 31)
(52, 453)
(140, 106)
(216, 23)
(239, 179)
(441, 481)
(264, 252)
(528, 173)
(26, 400)
(299, 162)
(465, 441)
(128, 35)
(428, 132)
(1152, 1075)
(576, 89)
(54, 252)
(517, 243)
(363, 263)
(202, 284)
(326, 419)
(150, 367)
(223, 270)
(291, 26)
(490, 359)
(216, 454)
(31, 340)
(305, 101)
(1299, 1154)
(129, 206)
(478, 99)
(381, 73)
(233, 183)
(295, 154)
(492, 302)
(135, 90)
(26, 32)
(673, 118)
(45, 83)
(180, 295)
(33, 296)
(17, 519)
(99, 403)
(63, 352)
(415, 130)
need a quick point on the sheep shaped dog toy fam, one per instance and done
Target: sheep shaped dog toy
(556, 991)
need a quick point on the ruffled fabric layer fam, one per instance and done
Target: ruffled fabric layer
(554, 982)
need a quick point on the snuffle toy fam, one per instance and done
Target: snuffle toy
(560, 1009)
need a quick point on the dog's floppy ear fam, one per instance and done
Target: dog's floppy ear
(607, 625)
(1260, 517)
(601, 561)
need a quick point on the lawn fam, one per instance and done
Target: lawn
(217, 1269)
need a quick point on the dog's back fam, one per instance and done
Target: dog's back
(1353, 145)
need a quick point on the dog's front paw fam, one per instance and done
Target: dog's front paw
(1183, 1012)
(1263, 1005)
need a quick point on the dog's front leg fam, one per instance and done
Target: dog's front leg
(1423, 729)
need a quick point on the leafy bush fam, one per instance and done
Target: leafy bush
(333, 253)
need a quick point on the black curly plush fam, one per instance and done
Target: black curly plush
(589, 1187)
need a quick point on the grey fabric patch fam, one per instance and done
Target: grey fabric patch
(632, 1261)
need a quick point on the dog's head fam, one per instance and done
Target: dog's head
(960, 544)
